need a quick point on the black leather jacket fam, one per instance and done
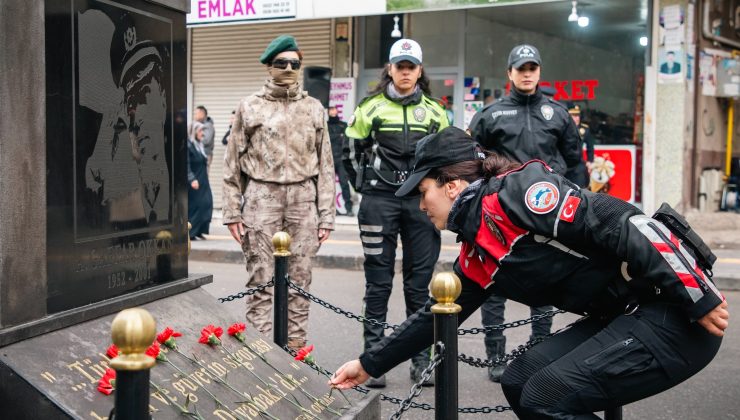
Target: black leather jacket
(525, 127)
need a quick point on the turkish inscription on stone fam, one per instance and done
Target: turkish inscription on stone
(236, 380)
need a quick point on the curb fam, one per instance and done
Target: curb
(339, 262)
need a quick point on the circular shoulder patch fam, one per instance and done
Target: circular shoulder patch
(542, 197)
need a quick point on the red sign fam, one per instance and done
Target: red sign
(613, 171)
(569, 90)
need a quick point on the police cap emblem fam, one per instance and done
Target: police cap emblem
(547, 112)
(419, 114)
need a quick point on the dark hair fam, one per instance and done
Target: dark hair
(386, 79)
(202, 108)
(473, 170)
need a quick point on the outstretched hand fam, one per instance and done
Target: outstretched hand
(349, 375)
(717, 320)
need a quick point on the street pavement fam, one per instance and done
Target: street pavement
(711, 394)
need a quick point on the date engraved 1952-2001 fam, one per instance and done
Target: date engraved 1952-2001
(140, 273)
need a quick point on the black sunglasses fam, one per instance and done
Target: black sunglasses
(282, 64)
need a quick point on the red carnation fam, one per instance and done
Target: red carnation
(211, 335)
(237, 331)
(167, 337)
(304, 355)
(112, 351)
(156, 352)
(107, 383)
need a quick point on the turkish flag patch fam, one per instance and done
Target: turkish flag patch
(568, 213)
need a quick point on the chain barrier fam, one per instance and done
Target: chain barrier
(248, 292)
(338, 310)
(415, 391)
(501, 327)
(426, 374)
(398, 401)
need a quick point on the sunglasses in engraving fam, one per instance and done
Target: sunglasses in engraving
(282, 64)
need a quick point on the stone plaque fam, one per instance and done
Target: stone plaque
(248, 379)
(116, 162)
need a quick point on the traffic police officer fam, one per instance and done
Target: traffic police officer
(523, 126)
(384, 131)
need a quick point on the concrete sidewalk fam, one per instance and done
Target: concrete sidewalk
(343, 250)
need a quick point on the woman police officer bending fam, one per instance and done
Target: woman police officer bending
(653, 319)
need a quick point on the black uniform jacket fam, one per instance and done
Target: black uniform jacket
(525, 127)
(532, 236)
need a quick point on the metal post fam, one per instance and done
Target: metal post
(446, 287)
(281, 243)
(133, 331)
(613, 413)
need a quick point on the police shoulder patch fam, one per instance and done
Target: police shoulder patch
(541, 197)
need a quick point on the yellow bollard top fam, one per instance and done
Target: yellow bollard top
(281, 243)
(133, 331)
(446, 288)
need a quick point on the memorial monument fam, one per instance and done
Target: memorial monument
(94, 220)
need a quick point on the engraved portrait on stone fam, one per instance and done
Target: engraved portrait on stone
(124, 123)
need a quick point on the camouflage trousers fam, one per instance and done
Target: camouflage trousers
(270, 208)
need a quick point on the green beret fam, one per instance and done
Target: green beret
(278, 45)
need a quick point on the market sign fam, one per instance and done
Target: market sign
(213, 12)
(569, 90)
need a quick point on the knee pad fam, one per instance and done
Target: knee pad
(544, 390)
(518, 373)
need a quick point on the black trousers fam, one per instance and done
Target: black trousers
(343, 184)
(492, 313)
(382, 219)
(599, 364)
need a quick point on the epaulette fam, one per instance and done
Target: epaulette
(560, 104)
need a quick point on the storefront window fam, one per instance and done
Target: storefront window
(601, 73)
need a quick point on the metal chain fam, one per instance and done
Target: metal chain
(248, 292)
(501, 327)
(398, 401)
(503, 360)
(339, 311)
(425, 375)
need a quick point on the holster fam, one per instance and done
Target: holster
(678, 225)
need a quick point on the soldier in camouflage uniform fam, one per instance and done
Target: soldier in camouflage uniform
(279, 175)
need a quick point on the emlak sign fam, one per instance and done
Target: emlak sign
(214, 12)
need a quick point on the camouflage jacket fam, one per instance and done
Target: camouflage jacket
(279, 135)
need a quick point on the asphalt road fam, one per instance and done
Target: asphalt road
(712, 394)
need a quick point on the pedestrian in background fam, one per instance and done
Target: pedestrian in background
(579, 173)
(338, 140)
(523, 126)
(209, 132)
(279, 176)
(383, 134)
(200, 199)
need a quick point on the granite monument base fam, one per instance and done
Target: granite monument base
(56, 375)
